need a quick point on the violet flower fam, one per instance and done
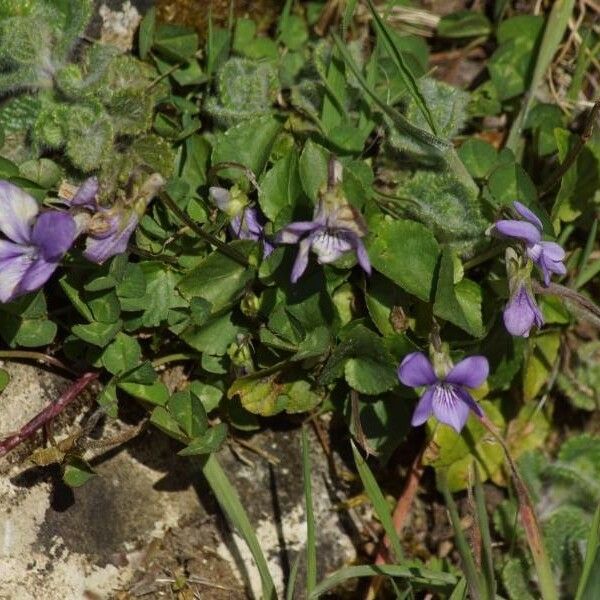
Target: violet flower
(336, 228)
(109, 232)
(246, 221)
(522, 313)
(35, 244)
(447, 398)
(548, 256)
(109, 229)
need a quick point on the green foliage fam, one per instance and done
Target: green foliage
(566, 493)
(246, 89)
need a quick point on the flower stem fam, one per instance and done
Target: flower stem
(211, 239)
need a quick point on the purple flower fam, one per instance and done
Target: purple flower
(109, 232)
(246, 221)
(548, 256)
(522, 313)
(35, 242)
(334, 230)
(446, 398)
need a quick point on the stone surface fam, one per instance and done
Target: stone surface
(148, 518)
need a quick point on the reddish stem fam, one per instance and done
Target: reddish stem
(47, 414)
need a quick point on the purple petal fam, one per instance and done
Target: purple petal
(99, 249)
(329, 246)
(220, 197)
(449, 408)
(292, 233)
(36, 276)
(11, 250)
(416, 370)
(267, 248)
(519, 229)
(527, 214)
(522, 313)
(470, 372)
(469, 401)
(12, 270)
(250, 225)
(553, 251)
(363, 257)
(86, 194)
(53, 233)
(17, 212)
(301, 260)
(423, 409)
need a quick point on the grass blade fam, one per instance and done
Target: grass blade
(379, 503)
(589, 583)
(432, 580)
(486, 539)
(405, 73)
(230, 503)
(468, 564)
(291, 585)
(556, 26)
(399, 120)
(311, 546)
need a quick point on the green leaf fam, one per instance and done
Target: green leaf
(464, 23)
(213, 337)
(108, 400)
(175, 42)
(280, 187)
(43, 171)
(155, 393)
(406, 252)
(77, 472)
(414, 573)
(539, 362)
(249, 143)
(365, 362)
(33, 333)
(97, 334)
(478, 156)
(161, 294)
(379, 502)
(404, 71)
(207, 443)
(230, 503)
(509, 182)
(271, 393)
(219, 279)
(146, 33)
(122, 354)
(458, 302)
(313, 169)
(186, 408)
(162, 419)
(589, 583)
(210, 395)
(457, 452)
(311, 543)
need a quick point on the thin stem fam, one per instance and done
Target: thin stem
(47, 414)
(37, 356)
(570, 159)
(486, 255)
(211, 239)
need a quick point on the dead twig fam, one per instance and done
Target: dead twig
(47, 414)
